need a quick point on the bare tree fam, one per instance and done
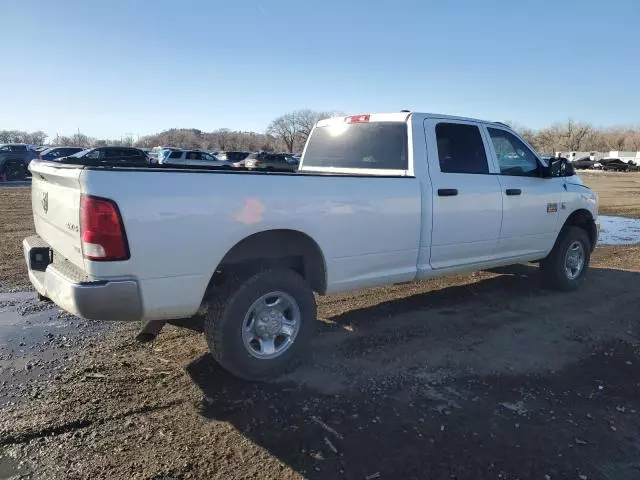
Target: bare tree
(308, 118)
(285, 129)
(575, 134)
(293, 129)
(18, 136)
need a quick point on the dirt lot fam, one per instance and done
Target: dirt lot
(619, 193)
(485, 376)
(15, 224)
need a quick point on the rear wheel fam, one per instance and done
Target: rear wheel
(258, 327)
(15, 171)
(568, 262)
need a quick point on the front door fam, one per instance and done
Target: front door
(530, 202)
(467, 203)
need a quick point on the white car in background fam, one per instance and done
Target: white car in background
(192, 158)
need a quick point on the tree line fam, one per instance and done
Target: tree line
(289, 132)
(582, 137)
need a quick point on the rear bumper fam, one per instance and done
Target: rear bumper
(96, 300)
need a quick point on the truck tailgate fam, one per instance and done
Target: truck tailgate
(55, 201)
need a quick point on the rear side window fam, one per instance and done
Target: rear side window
(460, 149)
(63, 152)
(95, 154)
(377, 145)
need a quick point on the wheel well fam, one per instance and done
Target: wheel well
(583, 219)
(281, 248)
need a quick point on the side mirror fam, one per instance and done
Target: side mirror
(558, 167)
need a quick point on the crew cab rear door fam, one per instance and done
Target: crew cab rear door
(467, 202)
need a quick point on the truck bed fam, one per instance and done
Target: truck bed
(180, 222)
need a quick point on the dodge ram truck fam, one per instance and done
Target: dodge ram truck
(378, 199)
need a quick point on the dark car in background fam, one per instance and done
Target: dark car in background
(53, 153)
(271, 161)
(584, 163)
(617, 165)
(14, 159)
(109, 156)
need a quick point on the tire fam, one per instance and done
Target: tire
(16, 171)
(230, 312)
(558, 271)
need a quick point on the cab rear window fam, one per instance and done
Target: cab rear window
(376, 145)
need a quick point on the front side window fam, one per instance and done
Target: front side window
(460, 149)
(175, 154)
(514, 157)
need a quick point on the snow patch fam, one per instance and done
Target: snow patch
(619, 230)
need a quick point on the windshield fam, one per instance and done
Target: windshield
(378, 145)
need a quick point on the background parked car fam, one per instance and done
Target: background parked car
(195, 158)
(164, 153)
(18, 150)
(584, 163)
(271, 161)
(14, 159)
(616, 165)
(54, 153)
(235, 156)
(124, 156)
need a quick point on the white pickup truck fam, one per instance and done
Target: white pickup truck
(378, 199)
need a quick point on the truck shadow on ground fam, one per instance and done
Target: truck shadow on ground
(449, 415)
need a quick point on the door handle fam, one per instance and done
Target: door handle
(447, 192)
(514, 191)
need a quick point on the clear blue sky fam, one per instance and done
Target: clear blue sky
(113, 67)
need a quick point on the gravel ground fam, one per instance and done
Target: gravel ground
(16, 224)
(469, 377)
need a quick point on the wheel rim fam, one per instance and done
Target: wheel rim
(574, 260)
(271, 325)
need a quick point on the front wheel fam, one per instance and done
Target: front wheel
(258, 327)
(568, 262)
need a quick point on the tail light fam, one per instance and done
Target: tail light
(101, 230)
